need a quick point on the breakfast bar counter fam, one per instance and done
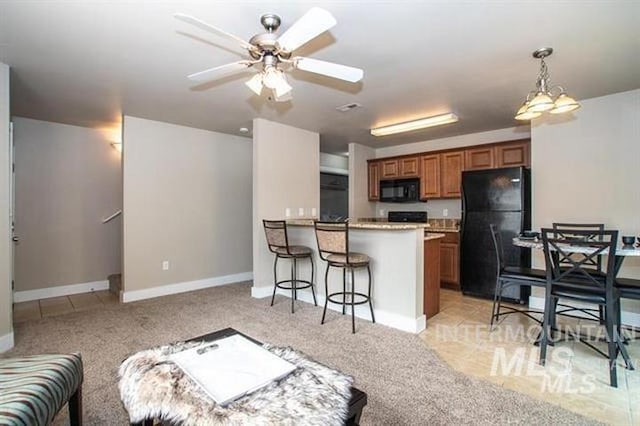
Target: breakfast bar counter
(397, 258)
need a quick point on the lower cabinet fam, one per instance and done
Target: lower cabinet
(431, 278)
(450, 261)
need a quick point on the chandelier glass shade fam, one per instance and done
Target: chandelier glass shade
(273, 79)
(545, 98)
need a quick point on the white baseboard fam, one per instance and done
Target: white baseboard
(628, 318)
(165, 290)
(63, 290)
(6, 342)
(389, 319)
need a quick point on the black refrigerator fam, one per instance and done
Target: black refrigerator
(501, 197)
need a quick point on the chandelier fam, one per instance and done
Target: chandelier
(545, 97)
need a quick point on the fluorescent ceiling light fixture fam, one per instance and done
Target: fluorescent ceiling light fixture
(409, 126)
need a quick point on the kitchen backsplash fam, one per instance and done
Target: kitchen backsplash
(434, 208)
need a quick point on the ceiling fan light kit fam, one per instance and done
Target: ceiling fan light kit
(543, 99)
(422, 123)
(274, 53)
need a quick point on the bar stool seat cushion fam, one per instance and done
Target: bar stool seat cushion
(293, 250)
(35, 388)
(353, 258)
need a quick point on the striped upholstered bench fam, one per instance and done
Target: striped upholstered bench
(33, 389)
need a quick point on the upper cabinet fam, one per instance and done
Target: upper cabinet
(409, 167)
(440, 172)
(513, 154)
(479, 158)
(430, 176)
(374, 180)
(390, 169)
(400, 168)
(452, 164)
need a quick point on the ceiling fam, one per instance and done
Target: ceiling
(86, 63)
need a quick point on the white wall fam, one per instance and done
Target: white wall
(187, 200)
(585, 168)
(359, 204)
(67, 179)
(6, 326)
(286, 174)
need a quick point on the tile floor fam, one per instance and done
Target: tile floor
(36, 309)
(575, 376)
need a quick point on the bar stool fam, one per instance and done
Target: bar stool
(333, 247)
(278, 242)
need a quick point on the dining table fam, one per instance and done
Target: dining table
(622, 251)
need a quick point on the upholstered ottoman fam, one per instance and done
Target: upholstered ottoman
(33, 389)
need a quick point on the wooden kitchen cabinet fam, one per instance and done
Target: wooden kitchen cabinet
(409, 167)
(479, 158)
(374, 180)
(389, 169)
(513, 154)
(450, 261)
(451, 167)
(429, 176)
(440, 172)
(431, 278)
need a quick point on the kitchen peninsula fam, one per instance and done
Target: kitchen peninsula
(397, 252)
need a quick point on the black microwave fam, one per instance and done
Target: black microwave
(400, 191)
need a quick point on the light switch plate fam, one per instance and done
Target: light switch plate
(165, 265)
(445, 212)
(301, 211)
(314, 212)
(287, 212)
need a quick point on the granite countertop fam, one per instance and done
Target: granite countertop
(436, 229)
(433, 236)
(360, 224)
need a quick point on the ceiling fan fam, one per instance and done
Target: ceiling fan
(274, 53)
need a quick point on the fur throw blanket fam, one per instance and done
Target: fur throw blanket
(151, 387)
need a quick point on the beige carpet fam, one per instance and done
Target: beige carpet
(406, 382)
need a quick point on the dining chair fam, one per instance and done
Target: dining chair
(576, 283)
(593, 266)
(507, 276)
(629, 288)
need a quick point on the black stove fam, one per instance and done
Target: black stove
(415, 217)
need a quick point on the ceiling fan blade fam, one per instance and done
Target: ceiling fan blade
(208, 27)
(330, 69)
(312, 24)
(221, 71)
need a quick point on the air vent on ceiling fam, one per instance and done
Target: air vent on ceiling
(349, 107)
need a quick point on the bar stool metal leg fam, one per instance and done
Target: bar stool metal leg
(313, 290)
(344, 290)
(373, 318)
(353, 306)
(293, 284)
(326, 293)
(275, 279)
